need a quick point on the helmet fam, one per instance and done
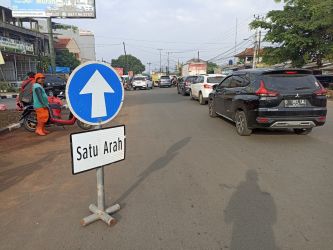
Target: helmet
(39, 75)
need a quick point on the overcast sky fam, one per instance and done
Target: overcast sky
(181, 27)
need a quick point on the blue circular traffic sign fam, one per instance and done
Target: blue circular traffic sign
(94, 93)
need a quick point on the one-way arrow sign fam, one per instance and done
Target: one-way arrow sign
(98, 108)
(94, 93)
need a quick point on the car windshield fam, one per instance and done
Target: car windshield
(290, 82)
(54, 79)
(139, 79)
(215, 79)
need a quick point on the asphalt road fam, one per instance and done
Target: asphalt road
(188, 182)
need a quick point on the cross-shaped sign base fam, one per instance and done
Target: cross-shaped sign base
(101, 215)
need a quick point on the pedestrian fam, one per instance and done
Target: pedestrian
(41, 104)
(25, 93)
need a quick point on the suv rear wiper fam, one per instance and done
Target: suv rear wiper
(300, 88)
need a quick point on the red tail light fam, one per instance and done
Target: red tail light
(320, 92)
(262, 120)
(262, 91)
(187, 83)
(207, 86)
(321, 119)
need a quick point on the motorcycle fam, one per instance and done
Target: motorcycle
(29, 118)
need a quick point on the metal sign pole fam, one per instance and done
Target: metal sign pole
(99, 212)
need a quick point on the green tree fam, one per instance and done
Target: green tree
(133, 64)
(43, 63)
(303, 32)
(211, 67)
(64, 58)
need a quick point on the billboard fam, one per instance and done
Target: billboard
(54, 8)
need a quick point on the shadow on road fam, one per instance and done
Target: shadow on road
(156, 165)
(12, 176)
(252, 213)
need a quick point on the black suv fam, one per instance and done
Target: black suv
(55, 84)
(184, 84)
(266, 98)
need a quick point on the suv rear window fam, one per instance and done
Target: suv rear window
(165, 77)
(139, 79)
(215, 79)
(284, 82)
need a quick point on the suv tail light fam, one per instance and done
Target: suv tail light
(320, 92)
(262, 91)
(187, 83)
(207, 86)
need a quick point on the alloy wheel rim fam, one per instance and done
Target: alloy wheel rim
(240, 123)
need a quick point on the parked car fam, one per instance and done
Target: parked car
(203, 86)
(262, 98)
(141, 82)
(325, 80)
(184, 84)
(55, 84)
(165, 81)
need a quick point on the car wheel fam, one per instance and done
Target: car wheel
(30, 122)
(211, 108)
(241, 124)
(183, 92)
(302, 131)
(178, 91)
(201, 99)
(191, 96)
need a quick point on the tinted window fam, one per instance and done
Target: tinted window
(226, 83)
(325, 80)
(200, 79)
(215, 79)
(54, 79)
(139, 79)
(290, 82)
(165, 77)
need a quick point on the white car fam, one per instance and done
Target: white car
(141, 82)
(203, 86)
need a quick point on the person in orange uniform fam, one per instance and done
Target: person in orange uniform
(41, 103)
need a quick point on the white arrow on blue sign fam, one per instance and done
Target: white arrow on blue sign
(94, 93)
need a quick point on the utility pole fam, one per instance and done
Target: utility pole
(259, 46)
(51, 47)
(160, 59)
(236, 40)
(168, 63)
(255, 47)
(126, 66)
(149, 63)
(198, 55)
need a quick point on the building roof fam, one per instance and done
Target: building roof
(196, 60)
(62, 43)
(247, 52)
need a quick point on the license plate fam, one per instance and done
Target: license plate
(295, 103)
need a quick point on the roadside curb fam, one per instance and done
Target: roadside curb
(10, 128)
(8, 96)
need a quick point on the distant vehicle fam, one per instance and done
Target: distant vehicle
(263, 98)
(165, 81)
(55, 84)
(141, 82)
(325, 80)
(184, 84)
(203, 86)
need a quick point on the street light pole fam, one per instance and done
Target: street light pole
(160, 59)
(51, 47)
(149, 63)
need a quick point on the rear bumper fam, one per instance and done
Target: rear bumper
(315, 117)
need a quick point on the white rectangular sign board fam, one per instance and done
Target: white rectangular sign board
(97, 148)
